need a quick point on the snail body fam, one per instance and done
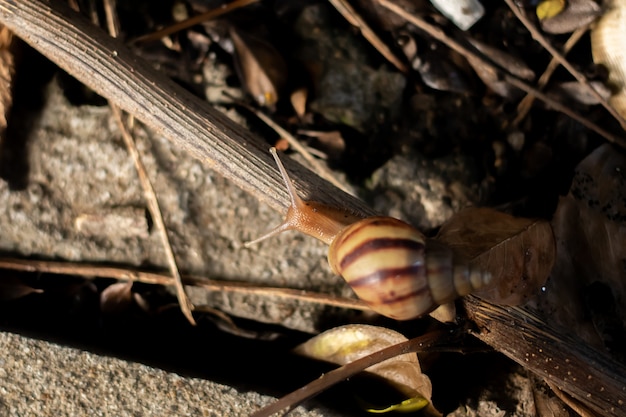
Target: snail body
(389, 264)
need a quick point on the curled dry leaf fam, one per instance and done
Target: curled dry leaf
(557, 16)
(608, 45)
(590, 229)
(518, 252)
(345, 344)
(490, 77)
(298, 100)
(261, 68)
(573, 90)
(116, 298)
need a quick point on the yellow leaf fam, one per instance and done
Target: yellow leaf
(549, 8)
(410, 405)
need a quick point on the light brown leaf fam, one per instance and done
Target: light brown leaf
(518, 252)
(117, 298)
(608, 43)
(577, 13)
(298, 100)
(345, 344)
(261, 68)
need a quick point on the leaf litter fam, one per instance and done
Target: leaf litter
(520, 252)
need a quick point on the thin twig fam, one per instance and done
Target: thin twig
(192, 21)
(538, 36)
(355, 19)
(526, 103)
(439, 34)
(295, 144)
(155, 211)
(92, 271)
(148, 190)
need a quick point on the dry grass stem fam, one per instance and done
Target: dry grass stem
(192, 21)
(355, 19)
(318, 168)
(92, 271)
(527, 102)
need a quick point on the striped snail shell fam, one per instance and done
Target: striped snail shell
(389, 264)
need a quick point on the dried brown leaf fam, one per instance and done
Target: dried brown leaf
(573, 90)
(440, 72)
(262, 69)
(117, 298)
(345, 344)
(590, 229)
(576, 14)
(490, 76)
(518, 252)
(298, 100)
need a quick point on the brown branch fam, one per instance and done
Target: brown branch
(108, 67)
(91, 271)
(526, 103)
(348, 12)
(148, 190)
(588, 376)
(194, 20)
(155, 211)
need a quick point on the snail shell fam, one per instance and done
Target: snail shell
(389, 264)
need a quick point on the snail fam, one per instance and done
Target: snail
(389, 264)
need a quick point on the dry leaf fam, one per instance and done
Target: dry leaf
(518, 252)
(445, 313)
(576, 14)
(439, 72)
(589, 278)
(116, 298)
(298, 101)
(573, 90)
(261, 68)
(492, 78)
(608, 46)
(345, 344)
(7, 71)
(549, 8)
